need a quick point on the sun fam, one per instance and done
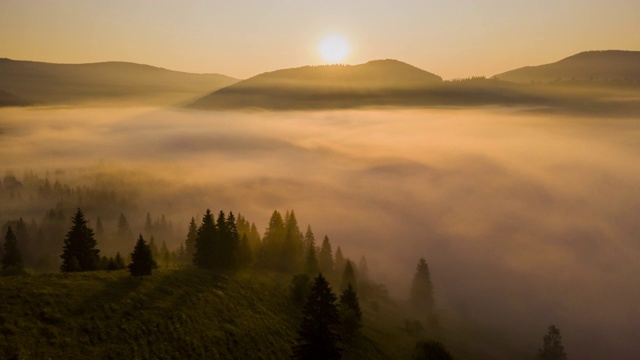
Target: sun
(333, 48)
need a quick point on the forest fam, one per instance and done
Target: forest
(332, 294)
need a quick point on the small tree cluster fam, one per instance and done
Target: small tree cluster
(217, 244)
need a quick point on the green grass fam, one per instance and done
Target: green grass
(172, 314)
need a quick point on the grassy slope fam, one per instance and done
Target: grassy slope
(172, 314)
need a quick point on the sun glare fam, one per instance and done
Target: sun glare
(333, 49)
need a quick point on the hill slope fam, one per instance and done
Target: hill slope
(322, 86)
(589, 65)
(46, 83)
(171, 314)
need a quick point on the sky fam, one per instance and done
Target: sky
(242, 38)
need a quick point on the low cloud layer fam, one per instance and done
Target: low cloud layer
(524, 220)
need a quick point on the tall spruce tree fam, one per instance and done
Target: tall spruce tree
(11, 257)
(348, 276)
(552, 348)
(422, 289)
(339, 263)
(79, 251)
(350, 314)
(124, 229)
(244, 252)
(142, 262)
(318, 335)
(325, 258)
(204, 256)
(311, 261)
(190, 241)
(272, 242)
(231, 245)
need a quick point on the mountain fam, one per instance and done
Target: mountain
(586, 66)
(38, 83)
(322, 86)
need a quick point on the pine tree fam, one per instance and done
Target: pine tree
(79, 252)
(348, 276)
(311, 261)
(309, 239)
(244, 252)
(272, 242)
(205, 242)
(148, 225)
(119, 262)
(99, 227)
(142, 262)
(318, 334)
(350, 313)
(422, 289)
(325, 258)
(339, 263)
(165, 255)
(552, 348)
(231, 247)
(11, 258)
(124, 230)
(190, 242)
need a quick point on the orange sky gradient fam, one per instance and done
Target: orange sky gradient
(453, 39)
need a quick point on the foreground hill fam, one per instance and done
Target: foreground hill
(171, 314)
(322, 86)
(607, 65)
(38, 83)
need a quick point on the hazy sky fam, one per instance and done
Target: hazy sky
(242, 38)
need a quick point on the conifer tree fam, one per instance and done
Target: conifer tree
(232, 243)
(272, 242)
(325, 258)
(124, 230)
(142, 262)
(154, 248)
(79, 252)
(422, 289)
(244, 252)
(318, 334)
(311, 261)
(350, 313)
(552, 348)
(339, 263)
(148, 225)
(190, 242)
(309, 239)
(205, 242)
(165, 255)
(99, 227)
(119, 262)
(11, 257)
(348, 276)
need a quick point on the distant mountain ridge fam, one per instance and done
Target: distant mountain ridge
(48, 83)
(588, 65)
(302, 85)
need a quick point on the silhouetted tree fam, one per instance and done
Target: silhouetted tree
(79, 252)
(244, 252)
(99, 227)
(309, 239)
(422, 288)
(11, 257)
(339, 263)
(552, 348)
(318, 334)
(325, 258)
(165, 255)
(142, 262)
(190, 242)
(148, 225)
(348, 276)
(205, 242)
(311, 261)
(272, 242)
(350, 314)
(231, 244)
(431, 350)
(124, 230)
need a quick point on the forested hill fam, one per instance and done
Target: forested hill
(39, 83)
(598, 66)
(188, 313)
(322, 86)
